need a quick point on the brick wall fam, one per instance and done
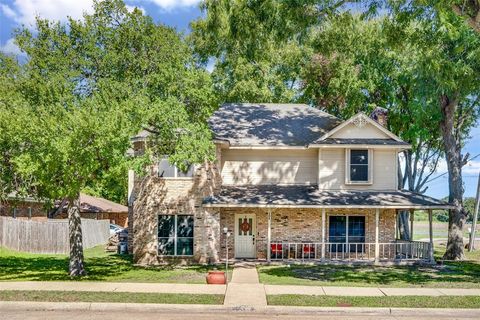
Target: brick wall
(154, 196)
(301, 225)
(23, 210)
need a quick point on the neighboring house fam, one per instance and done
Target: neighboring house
(290, 183)
(100, 209)
(23, 208)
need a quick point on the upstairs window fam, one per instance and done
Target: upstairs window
(358, 166)
(167, 170)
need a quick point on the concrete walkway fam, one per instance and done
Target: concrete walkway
(367, 292)
(114, 287)
(245, 291)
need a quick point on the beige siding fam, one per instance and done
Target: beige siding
(367, 132)
(269, 167)
(331, 172)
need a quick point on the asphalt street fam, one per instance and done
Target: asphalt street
(177, 315)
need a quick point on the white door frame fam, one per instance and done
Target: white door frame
(246, 246)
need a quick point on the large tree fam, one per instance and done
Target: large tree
(449, 74)
(87, 87)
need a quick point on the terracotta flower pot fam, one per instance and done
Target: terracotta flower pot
(216, 277)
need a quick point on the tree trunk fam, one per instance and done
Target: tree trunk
(403, 225)
(76, 266)
(55, 211)
(452, 147)
(403, 215)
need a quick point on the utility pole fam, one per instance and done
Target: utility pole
(471, 245)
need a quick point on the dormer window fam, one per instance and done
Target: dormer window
(358, 170)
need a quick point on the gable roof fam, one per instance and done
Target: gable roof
(271, 124)
(362, 117)
(95, 204)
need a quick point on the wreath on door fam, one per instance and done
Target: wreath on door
(245, 226)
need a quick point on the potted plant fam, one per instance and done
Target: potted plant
(216, 277)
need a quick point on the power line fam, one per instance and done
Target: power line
(447, 171)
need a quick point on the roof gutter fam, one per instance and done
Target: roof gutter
(316, 206)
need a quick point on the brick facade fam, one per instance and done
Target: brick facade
(23, 210)
(154, 195)
(301, 225)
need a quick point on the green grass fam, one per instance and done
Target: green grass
(125, 297)
(100, 266)
(376, 302)
(449, 274)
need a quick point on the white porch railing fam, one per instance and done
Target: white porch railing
(391, 251)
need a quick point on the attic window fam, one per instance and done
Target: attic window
(167, 170)
(358, 166)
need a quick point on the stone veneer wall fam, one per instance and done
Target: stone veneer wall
(154, 195)
(301, 225)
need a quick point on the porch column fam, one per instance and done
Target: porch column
(269, 235)
(430, 229)
(412, 218)
(323, 233)
(377, 245)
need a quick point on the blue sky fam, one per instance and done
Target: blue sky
(178, 14)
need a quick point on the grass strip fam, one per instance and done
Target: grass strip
(375, 302)
(100, 266)
(124, 297)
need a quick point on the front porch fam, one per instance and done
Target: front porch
(317, 235)
(346, 228)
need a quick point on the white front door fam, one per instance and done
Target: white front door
(245, 230)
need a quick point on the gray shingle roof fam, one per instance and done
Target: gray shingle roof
(385, 142)
(270, 124)
(307, 196)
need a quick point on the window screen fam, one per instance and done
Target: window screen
(165, 169)
(189, 172)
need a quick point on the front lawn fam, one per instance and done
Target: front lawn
(465, 274)
(376, 302)
(101, 266)
(124, 297)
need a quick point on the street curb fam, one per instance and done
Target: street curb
(205, 308)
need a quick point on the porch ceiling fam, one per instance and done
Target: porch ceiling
(311, 197)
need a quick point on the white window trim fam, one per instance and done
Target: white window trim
(348, 181)
(175, 236)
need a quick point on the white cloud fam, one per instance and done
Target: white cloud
(25, 11)
(472, 167)
(131, 8)
(7, 11)
(442, 166)
(10, 48)
(173, 4)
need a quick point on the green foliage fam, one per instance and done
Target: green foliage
(86, 88)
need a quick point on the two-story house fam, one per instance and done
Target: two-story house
(290, 182)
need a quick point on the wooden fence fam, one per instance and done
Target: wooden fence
(49, 236)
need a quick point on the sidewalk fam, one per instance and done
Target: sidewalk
(243, 290)
(367, 292)
(114, 287)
